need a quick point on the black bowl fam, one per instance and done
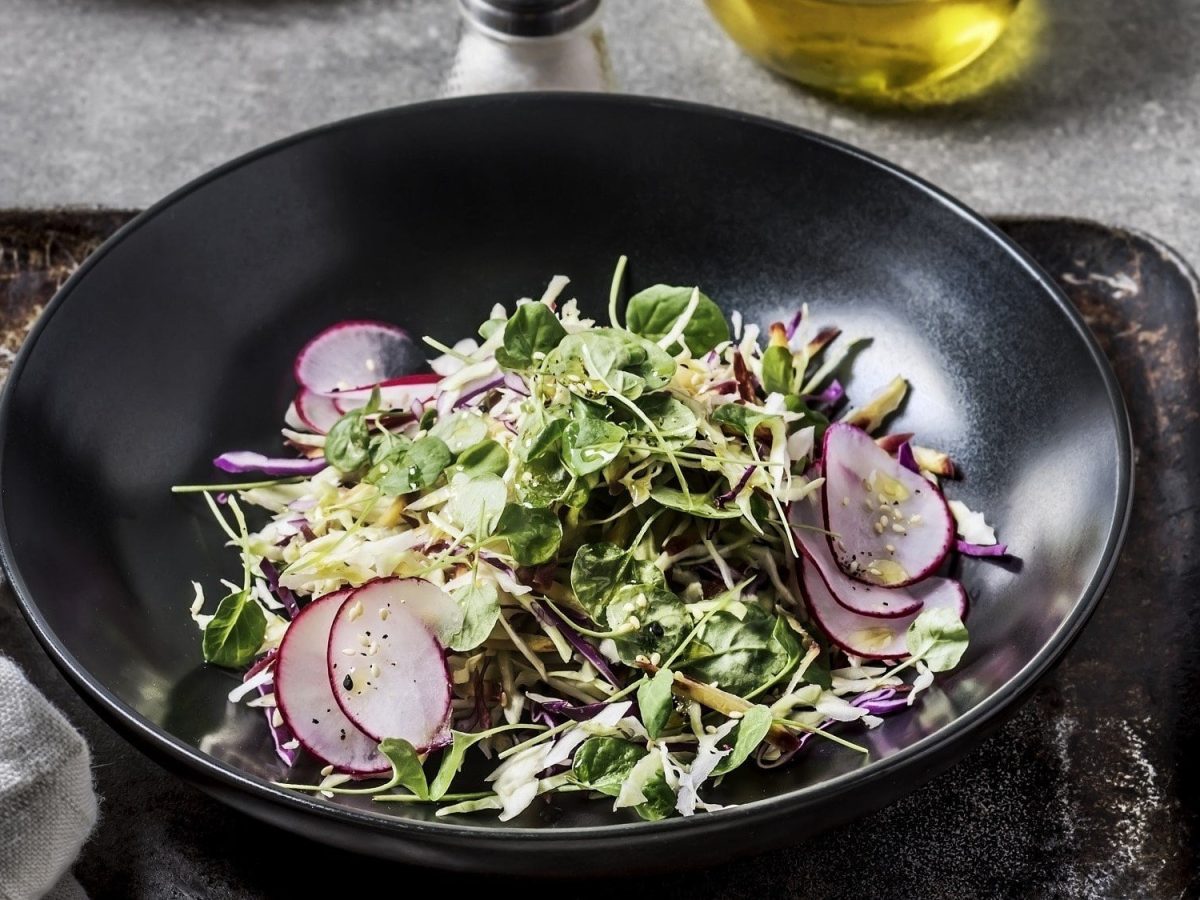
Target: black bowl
(174, 341)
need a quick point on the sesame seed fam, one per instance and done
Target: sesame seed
(884, 520)
(384, 612)
(883, 498)
(655, 658)
(374, 670)
(354, 611)
(328, 770)
(372, 648)
(845, 501)
(364, 640)
(914, 519)
(276, 718)
(899, 529)
(890, 548)
(349, 651)
(868, 505)
(736, 714)
(710, 729)
(878, 528)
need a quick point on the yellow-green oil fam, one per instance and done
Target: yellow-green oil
(866, 47)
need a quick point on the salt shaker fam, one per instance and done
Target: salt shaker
(529, 45)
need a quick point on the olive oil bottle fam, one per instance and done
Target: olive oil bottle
(867, 47)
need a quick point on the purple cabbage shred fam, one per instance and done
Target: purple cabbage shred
(588, 651)
(241, 461)
(284, 595)
(966, 548)
(790, 332)
(730, 495)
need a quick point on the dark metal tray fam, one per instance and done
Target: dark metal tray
(1090, 790)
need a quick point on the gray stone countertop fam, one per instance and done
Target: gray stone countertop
(1094, 109)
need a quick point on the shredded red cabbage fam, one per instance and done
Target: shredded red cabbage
(828, 398)
(790, 331)
(966, 548)
(476, 389)
(280, 734)
(548, 617)
(904, 456)
(730, 495)
(240, 461)
(286, 597)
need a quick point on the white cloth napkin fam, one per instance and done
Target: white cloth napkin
(47, 804)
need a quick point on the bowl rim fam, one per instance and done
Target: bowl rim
(923, 754)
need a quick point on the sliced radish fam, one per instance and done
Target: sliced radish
(889, 525)
(870, 636)
(292, 419)
(438, 610)
(386, 668)
(351, 354)
(316, 411)
(305, 697)
(398, 393)
(856, 596)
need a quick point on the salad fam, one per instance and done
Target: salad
(621, 559)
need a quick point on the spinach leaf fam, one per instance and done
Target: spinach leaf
(589, 445)
(406, 766)
(476, 504)
(662, 620)
(387, 446)
(540, 437)
(937, 637)
(420, 466)
(485, 458)
(660, 798)
(480, 604)
(751, 729)
(543, 481)
(777, 370)
(655, 701)
(627, 363)
(743, 656)
(461, 430)
(452, 760)
(596, 573)
(236, 631)
(533, 329)
(672, 419)
(533, 535)
(600, 570)
(348, 443)
(699, 505)
(653, 312)
(582, 408)
(603, 763)
(741, 419)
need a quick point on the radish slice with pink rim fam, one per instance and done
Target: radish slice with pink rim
(855, 596)
(890, 526)
(386, 668)
(398, 393)
(305, 698)
(291, 418)
(316, 411)
(355, 353)
(870, 636)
